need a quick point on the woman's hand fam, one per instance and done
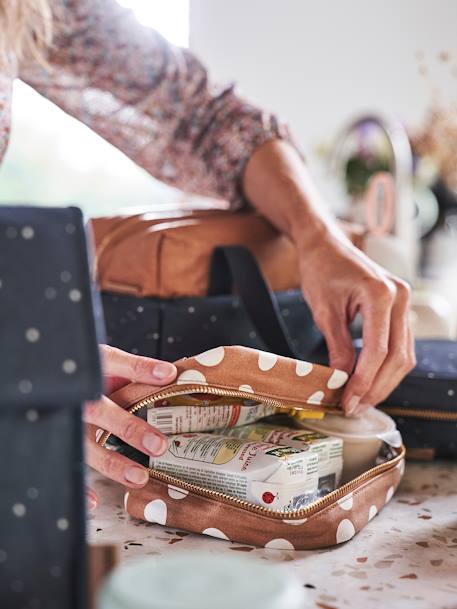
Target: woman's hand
(338, 280)
(120, 368)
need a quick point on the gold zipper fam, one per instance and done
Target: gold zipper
(251, 507)
(435, 415)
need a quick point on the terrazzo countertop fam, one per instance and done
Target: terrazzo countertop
(405, 557)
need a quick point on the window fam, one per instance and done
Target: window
(53, 159)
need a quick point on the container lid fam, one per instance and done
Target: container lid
(203, 581)
(371, 424)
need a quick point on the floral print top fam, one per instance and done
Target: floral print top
(148, 98)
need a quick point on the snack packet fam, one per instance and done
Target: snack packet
(186, 414)
(329, 449)
(276, 477)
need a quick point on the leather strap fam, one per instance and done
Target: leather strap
(235, 266)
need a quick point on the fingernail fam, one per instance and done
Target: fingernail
(91, 503)
(163, 370)
(361, 409)
(352, 405)
(155, 444)
(136, 475)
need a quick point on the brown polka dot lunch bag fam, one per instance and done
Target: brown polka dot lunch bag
(284, 383)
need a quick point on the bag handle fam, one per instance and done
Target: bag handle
(235, 265)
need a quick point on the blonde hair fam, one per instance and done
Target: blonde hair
(25, 28)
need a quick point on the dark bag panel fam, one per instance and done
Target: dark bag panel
(424, 405)
(50, 364)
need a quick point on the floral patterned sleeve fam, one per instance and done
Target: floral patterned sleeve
(150, 99)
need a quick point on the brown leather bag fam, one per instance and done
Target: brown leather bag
(168, 256)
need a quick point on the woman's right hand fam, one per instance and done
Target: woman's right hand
(120, 368)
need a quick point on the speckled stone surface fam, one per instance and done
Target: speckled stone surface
(406, 556)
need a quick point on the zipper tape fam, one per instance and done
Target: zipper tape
(416, 413)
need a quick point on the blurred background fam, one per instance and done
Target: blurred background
(367, 90)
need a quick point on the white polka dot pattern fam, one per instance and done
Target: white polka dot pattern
(177, 493)
(190, 377)
(246, 388)
(316, 398)
(267, 360)
(345, 531)
(389, 494)
(279, 544)
(372, 512)
(337, 379)
(213, 357)
(295, 522)
(346, 502)
(156, 511)
(303, 368)
(212, 532)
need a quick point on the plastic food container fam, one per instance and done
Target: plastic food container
(201, 581)
(362, 438)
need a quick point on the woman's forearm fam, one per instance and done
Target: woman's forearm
(278, 184)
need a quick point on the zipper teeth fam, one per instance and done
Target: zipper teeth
(200, 490)
(420, 414)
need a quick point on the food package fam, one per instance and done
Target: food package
(329, 449)
(276, 477)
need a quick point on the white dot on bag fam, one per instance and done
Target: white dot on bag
(17, 585)
(212, 532)
(63, 524)
(451, 392)
(32, 493)
(267, 360)
(316, 397)
(177, 493)
(191, 376)
(1, 284)
(431, 375)
(156, 511)
(246, 388)
(252, 334)
(32, 415)
(303, 368)
(75, 295)
(295, 522)
(50, 293)
(191, 309)
(70, 229)
(24, 386)
(65, 276)
(3, 556)
(285, 312)
(32, 335)
(337, 380)
(390, 492)
(279, 544)
(212, 357)
(140, 309)
(170, 340)
(346, 502)
(69, 366)
(372, 512)
(11, 232)
(19, 510)
(55, 571)
(345, 531)
(27, 232)
(213, 318)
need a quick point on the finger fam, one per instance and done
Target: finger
(91, 499)
(136, 367)
(400, 359)
(339, 342)
(116, 466)
(105, 414)
(376, 312)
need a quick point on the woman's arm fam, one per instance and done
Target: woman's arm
(338, 280)
(150, 99)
